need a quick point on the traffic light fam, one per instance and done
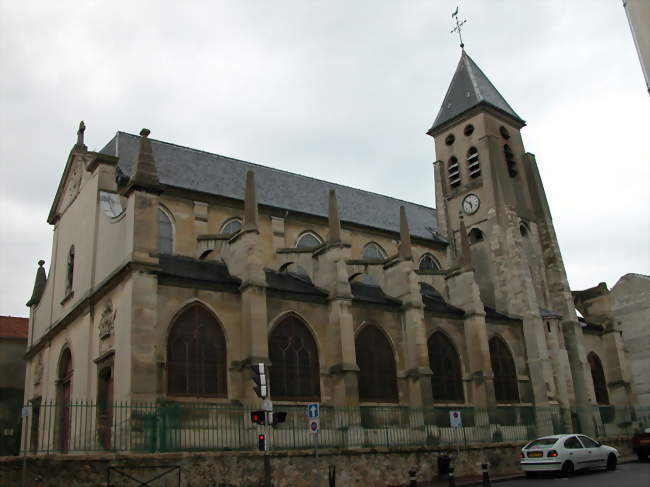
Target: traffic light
(260, 380)
(278, 417)
(257, 417)
(261, 442)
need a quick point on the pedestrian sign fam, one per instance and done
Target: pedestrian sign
(313, 410)
(314, 426)
(455, 419)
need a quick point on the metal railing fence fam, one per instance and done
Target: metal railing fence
(84, 426)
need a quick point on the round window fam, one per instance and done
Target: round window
(450, 139)
(504, 132)
(469, 129)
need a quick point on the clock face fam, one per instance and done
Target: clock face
(471, 202)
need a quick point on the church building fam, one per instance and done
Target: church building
(174, 269)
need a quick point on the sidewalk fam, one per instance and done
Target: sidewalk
(478, 480)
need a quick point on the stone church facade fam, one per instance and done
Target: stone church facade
(174, 269)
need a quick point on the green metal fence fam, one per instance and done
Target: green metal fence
(151, 427)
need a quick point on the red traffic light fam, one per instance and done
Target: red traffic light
(257, 417)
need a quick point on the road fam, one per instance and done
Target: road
(634, 474)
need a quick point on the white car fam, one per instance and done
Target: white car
(565, 454)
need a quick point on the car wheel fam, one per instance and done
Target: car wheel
(567, 469)
(643, 456)
(530, 475)
(611, 462)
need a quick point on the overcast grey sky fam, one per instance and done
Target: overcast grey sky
(340, 90)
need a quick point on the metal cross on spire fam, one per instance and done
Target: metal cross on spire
(459, 24)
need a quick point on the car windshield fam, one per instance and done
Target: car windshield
(541, 442)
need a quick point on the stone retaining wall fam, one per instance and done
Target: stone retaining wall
(354, 467)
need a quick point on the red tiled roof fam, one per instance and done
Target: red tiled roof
(13, 327)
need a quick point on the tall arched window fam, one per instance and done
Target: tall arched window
(598, 376)
(505, 375)
(510, 161)
(69, 277)
(309, 240)
(373, 251)
(165, 233)
(64, 398)
(428, 263)
(473, 164)
(377, 370)
(196, 355)
(295, 373)
(453, 172)
(446, 382)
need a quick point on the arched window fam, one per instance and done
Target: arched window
(453, 172)
(309, 240)
(475, 235)
(231, 227)
(473, 164)
(446, 382)
(295, 373)
(598, 376)
(428, 263)
(64, 398)
(69, 277)
(523, 229)
(165, 233)
(377, 370)
(505, 374)
(510, 161)
(373, 251)
(196, 355)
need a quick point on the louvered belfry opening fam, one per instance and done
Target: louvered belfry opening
(196, 355)
(598, 377)
(505, 374)
(377, 370)
(446, 382)
(295, 373)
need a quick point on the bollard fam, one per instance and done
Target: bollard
(450, 477)
(332, 475)
(486, 475)
(412, 480)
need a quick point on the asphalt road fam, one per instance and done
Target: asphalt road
(634, 474)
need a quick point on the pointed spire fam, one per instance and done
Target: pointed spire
(80, 137)
(464, 253)
(251, 212)
(334, 236)
(405, 249)
(144, 169)
(468, 88)
(39, 285)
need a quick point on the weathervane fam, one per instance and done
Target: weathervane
(458, 27)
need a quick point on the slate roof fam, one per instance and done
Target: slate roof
(205, 172)
(13, 327)
(470, 87)
(292, 283)
(200, 270)
(370, 293)
(433, 301)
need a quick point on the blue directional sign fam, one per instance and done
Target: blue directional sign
(313, 410)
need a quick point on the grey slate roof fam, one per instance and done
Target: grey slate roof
(196, 170)
(468, 88)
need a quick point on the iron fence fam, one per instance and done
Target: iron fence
(165, 427)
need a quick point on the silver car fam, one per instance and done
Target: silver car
(565, 454)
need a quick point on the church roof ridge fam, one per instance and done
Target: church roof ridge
(470, 87)
(370, 208)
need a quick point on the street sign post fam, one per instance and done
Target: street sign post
(313, 413)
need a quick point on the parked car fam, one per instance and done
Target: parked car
(641, 444)
(565, 454)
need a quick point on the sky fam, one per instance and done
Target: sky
(338, 90)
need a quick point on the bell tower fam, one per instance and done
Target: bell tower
(484, 174)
